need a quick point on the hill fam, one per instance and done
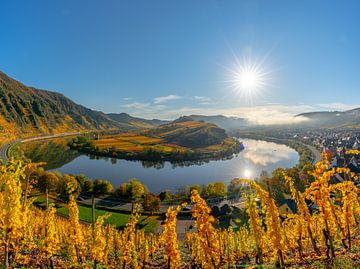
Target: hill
(227, 123)
(334, 119)
(189, 133)
(175, 141)
(133, 122)
(29, 111)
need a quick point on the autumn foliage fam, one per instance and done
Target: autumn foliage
(31, 237)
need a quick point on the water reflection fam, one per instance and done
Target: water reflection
(264, 153)
(55, 153)
(257, 156)
(161, 164)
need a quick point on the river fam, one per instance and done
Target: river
(258, 156)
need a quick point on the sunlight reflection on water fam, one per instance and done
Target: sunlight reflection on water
(257, 156)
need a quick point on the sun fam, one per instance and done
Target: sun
(248, 78)
(247, 173)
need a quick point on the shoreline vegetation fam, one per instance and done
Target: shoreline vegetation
(176, 142)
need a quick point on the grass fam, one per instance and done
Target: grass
(148, 223)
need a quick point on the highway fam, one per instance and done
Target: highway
(4, 148)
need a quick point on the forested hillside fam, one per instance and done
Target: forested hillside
(28, 111)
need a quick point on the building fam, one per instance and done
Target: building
(287, 206)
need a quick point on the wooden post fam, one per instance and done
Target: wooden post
(93, 217)
(6, 250)
(47, 199)
(26, 190)
(268, 187)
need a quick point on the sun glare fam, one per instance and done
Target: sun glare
(247, 173)
(248, 78)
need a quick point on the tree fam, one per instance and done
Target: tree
(123, 190)
(132, 189)
(151, 203)
(236, 187)
(218, 189)
(81, 179)
(164, 195)
(305, 174)
(102, 187)
(68, 186)
(196, 187)
(48, 181)
(87, 186)
(137, 190)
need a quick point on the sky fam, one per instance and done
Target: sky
(163, 59)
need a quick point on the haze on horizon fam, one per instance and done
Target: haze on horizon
(166, 59)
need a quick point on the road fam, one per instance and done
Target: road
(4, 151)
(127, 206)
(316, 153)
(4, 148)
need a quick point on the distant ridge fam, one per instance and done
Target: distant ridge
(227, 123)
(133, 122)
(332, 119)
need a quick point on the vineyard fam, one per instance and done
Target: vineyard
(164, 138)
(175, 141)
(134, 142)
(33, 238)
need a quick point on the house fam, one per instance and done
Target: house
(287, 206)
(354, 168)
(355, 145)
(335, 179)
(338, 162)
(312, 207)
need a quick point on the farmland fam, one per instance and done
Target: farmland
(188, 140)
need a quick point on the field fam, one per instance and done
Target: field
(135, 142)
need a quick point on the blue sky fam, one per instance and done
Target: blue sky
(170, 58)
